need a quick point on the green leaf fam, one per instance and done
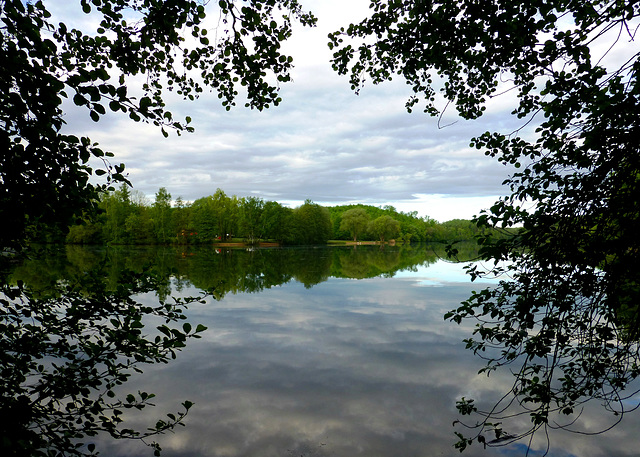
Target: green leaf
(79, 100)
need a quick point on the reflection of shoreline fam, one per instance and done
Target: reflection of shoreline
(368, 243)
(262, 244)
(273, 244)
(229, 267)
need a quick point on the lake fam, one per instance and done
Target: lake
(335, 351)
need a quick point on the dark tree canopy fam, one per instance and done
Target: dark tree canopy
(567, 322)
(44, 173)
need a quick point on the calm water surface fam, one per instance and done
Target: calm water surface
(333, 367)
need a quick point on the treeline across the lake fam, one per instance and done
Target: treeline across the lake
(128, 217)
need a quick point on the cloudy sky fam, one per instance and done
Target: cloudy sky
(323, 142)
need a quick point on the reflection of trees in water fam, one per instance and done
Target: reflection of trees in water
(228, 270)
(233, 270)
(91, 324)
(311, 266)
(50, 265)
(361, 263)
(255, 270)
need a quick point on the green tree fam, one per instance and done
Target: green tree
(384, 228)
(312, 224)
(117, 207)
(412, 227)
(460, 230)
(215, 217)
(251, 209)
(85, 233)
(275, 221)
(574, 264)
(180, 217)
(161, 215)
(226, 211)
(204, 219)
(140, 226)
(355, 221)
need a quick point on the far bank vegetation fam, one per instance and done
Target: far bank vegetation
(128, 217)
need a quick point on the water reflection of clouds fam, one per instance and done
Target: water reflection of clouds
(440, 274)
(345, 368)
